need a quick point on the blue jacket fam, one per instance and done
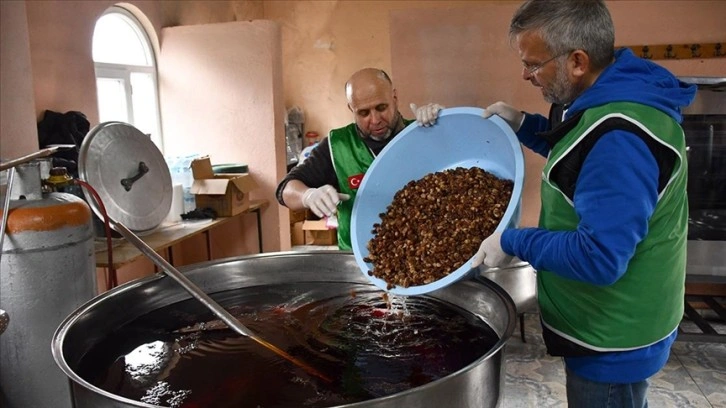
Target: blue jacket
(597, 253)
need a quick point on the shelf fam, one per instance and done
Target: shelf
(679, 51)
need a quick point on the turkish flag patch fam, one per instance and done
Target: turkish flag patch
(354, 181)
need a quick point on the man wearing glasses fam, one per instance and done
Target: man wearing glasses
(610, 249)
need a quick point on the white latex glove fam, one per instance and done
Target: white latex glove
(323, 201)
(512, 116)
(427, 114)
(490, 253)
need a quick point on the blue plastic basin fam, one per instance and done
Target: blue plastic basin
(460, 138)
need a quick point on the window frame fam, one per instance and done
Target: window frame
(123, 72)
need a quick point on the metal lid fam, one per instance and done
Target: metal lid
(129, 174)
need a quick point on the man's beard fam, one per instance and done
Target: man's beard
(385, 136)
(561, 91)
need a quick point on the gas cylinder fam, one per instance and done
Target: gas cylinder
(47, 271)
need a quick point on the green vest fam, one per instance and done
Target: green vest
(351, 159)
(646, 304)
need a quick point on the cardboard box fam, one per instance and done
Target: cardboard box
(297, 235)
(227, 194)
(298, 216)
(317, 233)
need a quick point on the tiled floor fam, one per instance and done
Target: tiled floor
(695, 376)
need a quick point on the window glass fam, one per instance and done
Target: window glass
(143, 101)
(111, 100)
(117, 40)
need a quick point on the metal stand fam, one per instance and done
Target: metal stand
(704, 318)
(714, 313)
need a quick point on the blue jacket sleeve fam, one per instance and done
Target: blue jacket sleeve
(615, 196)
(527, 133)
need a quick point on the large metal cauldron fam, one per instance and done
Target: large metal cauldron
(478, 385)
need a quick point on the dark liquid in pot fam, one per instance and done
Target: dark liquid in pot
(371, 346)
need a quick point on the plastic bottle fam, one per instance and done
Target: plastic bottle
(311, 138)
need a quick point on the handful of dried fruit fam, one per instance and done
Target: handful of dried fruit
(435, 224)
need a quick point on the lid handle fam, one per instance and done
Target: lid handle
(128, 182)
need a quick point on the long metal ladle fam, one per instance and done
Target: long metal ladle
(35, 155)
(208, 302)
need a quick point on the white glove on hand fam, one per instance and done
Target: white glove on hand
(512, 116)
(323, 201)
(427, 114)
(491, 253)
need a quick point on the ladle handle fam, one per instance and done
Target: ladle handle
(190, 287)
(6, 208)
(35, 155)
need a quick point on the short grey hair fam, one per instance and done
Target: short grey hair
(568, 25)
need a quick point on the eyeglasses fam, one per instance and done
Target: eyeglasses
(531, 69)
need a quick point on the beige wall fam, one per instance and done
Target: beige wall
(18, 134)
(192, 12)
(322, 43)
(221, 95)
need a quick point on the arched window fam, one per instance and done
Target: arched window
(126, 80)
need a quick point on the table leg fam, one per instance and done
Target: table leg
(259, 229)
(209, 245)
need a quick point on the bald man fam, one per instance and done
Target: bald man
(327, 181)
